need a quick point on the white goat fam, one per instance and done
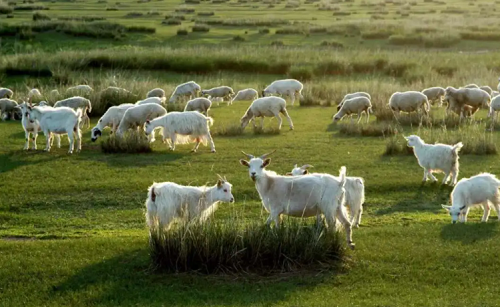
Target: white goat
(111, 118)
(7, 108)
(135, 118)
(61, 120)
(224, 92)
(248, 94)
(189, 89)
(357, 105)
(183, 127)
(218, 100)
(266, 107)
(81, 89)
(435, 93)
(476, 190)
(168, 201)
(458, 99)
(354, 193)
(472, 85)
(494, 93)
(200, 104)
(6, 93)
(351, 96)
(31, 128)
(409, 101)
(436, 158)
(301, 196)
(34, 93)
(287, 87)
(77, 102)
(487, 89)
(156, 92)
(156, 100)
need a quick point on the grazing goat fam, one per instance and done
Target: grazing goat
(435, 93)
(248, 94)
(136, 117)
(480, 189)
(436, 158)
(287, 87)
(200, 104)
(111, 118)
(76, 103)
(156, 100)
(189, 89)
(357, 105)
(6, 93)
(224, 92)
(61, 120)
(7, 108)
(301, 196)
(266, 107)
(354, 193)
(459, 98)
(167, 201)
(410, 101)
(156, 92)
(183, 127)
(351, 96)
(80, 89)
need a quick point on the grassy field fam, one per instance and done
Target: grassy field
(72, 228)
(52, 25)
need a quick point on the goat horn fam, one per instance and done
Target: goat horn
(306, 166)
(248, 156)
(220, 177)
(267, 154)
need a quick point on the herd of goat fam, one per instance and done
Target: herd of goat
(299, 193)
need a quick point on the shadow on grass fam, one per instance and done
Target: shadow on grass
(427, 198)
(470, 232)
(15, 159)
(126, 280)
(125, 160)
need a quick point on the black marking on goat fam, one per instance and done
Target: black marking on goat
(153, 196)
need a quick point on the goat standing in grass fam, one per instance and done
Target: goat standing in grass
(436, 158)
(302, 196)
(167, 201)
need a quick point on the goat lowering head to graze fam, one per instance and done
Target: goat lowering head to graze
(481, 189)
(301, 196)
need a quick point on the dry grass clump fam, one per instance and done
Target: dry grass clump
(369, 130)
(229, 130)
(132, 142)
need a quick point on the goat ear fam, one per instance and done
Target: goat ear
(266, 162)
(244, 163)
(305, 172)
(219, 183)
(153, 195)
(147, 121)
(462, 208)
(447, 208)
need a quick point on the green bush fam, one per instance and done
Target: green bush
(201, 28)
(172, 22)
(182, 32)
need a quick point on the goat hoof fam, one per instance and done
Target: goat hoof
(352, 246)
(212, 151)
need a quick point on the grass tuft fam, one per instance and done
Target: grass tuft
(229, 130)
(132, 142)
(370, 130)
(218, 247)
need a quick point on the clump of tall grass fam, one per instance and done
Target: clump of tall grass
(175, 107)
(233, 247)
(200, 28)
(476, 140)
(172, 22)
(4, 8)
(238, 38)
(130, 142)
(30, 7)
(206, 14)
(301, 73)
(40, 16)
(332, 44)
(370, 129)
(182, 32)
(268, 131)
(480, 36)
(229, 130)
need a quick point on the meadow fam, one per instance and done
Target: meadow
(72, 228)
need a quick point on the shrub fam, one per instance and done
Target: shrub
(112, 8)
(176, 16)
(440, 41)
(218, 247)
(5, 9)
(239, 38)
(182, 32)
(206, 14)
(290, 31)
(264, 31)
(40, 16)
(370, 129)
(408, 39)
(266, 131)
(480, 36)
(185, 10)
(229, 130)
(30, 7)
(141, 29)
(131, 142)
(332, 44)
(173, 22)
(277, 43)
(200, 28)
(301, 73)
(376, 34)
(134, 15)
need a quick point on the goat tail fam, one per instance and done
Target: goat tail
(342, 176)
(370, 110)
(210, 121)
(151, 208)
(79, 113)
(456, 148)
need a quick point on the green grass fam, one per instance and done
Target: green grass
(91, 237)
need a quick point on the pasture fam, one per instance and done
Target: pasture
(72, 227)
